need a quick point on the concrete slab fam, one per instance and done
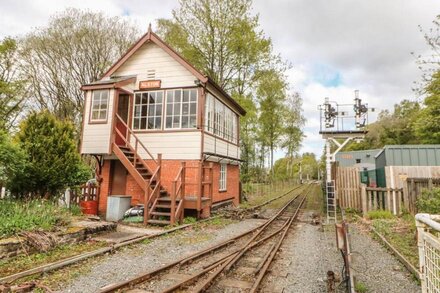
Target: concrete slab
(125, 233)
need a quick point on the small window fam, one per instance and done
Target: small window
(99, 106)
(358, 161)
(223, 174)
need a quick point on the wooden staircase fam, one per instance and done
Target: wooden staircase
(160, 206)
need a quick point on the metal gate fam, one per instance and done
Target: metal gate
(429, 251)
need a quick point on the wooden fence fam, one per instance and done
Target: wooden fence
(348, 187)
(85, 192)
(401, 192)
(379, 198)
(413, 190)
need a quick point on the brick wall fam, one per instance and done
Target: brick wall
(169, 172)
(232, 183)
(104, 187)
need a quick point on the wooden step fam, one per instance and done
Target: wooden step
(158, 222)
(167, 199)
(163, 206)
(161, 214)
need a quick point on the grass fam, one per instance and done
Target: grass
(259, 193)
(401, 233)
(18, 215)
(380, 214)
(25, 262)
(360, 287)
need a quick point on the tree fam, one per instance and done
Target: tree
(221, 38)
(429, 64)
(271, 94)
(395, 127)
(427, 126)
(53, 162)
(293, 122)
(12, 159)
(11, 87)
(74, 49)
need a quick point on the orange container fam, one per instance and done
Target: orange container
(89, 207)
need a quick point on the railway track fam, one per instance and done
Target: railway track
(235, 265)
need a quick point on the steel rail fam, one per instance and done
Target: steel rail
(81, 257)
(146, 276)
(227, 262)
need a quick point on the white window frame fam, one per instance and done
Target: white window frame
(220, 120)
(181, 115)
(223, 177)
(154, 116)
(99, 99)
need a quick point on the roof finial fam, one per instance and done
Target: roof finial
(149, 27)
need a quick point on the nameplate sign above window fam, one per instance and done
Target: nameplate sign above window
(149, 84)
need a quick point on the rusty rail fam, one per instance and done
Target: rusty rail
(219, 263)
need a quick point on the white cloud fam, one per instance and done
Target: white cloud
(366, 44)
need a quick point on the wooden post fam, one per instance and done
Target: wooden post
(159, 164)
(413, 197)
(173, 203)
(211, 180)
(364, 200)
(200, 189)
(182, 191)
(389, 205)
(146, 203)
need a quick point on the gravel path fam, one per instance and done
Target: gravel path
(306, 256)
(309, 252)
(377, 268)
(131, 261)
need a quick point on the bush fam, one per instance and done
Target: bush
(17, 216)
(429, 201)
(12, 159)
(380, 214)
(53, 162)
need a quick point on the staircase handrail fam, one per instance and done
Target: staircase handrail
(137, 140)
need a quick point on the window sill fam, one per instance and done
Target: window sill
(223, 191)
(98, 122)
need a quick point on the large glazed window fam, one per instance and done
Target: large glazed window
(148, 110)
(220, 120)
(181, 109)
(99, 108)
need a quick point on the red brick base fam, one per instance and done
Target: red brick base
(170, 169)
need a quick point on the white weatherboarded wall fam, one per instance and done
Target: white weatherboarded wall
(150, 58)
(96, 137)
(220, 147)
(172, 145)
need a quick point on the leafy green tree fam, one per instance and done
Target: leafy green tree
(223, 40)
(293, 123)
(12, 159)
(53, 161)
(271, 94)
(427, 126)
(76, 48)
(11, 87)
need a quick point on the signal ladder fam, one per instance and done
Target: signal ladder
(331, 202)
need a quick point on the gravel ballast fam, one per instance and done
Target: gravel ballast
(310, 251)
(131, 261)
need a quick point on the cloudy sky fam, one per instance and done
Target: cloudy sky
(334, 46)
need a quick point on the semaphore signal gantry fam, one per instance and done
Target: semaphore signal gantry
(339, 124)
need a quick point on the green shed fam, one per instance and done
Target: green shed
(409, 155)
(405, 155)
